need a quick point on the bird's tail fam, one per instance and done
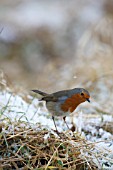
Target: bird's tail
(40, 92)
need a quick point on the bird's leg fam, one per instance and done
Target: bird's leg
(64, 118)
(55, 124)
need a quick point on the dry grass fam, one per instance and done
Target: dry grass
(22, 146)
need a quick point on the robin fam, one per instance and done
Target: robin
(64, 102)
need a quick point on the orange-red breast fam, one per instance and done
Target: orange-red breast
(64, 102)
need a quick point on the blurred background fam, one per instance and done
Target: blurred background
(54, 45)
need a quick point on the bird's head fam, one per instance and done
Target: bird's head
(84, 95)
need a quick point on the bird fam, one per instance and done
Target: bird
(63, 103)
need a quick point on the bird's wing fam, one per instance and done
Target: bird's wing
(57, 96)
(49, 98)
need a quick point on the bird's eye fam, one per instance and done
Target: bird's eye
(82, 94)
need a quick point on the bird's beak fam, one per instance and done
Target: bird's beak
(88, 100)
